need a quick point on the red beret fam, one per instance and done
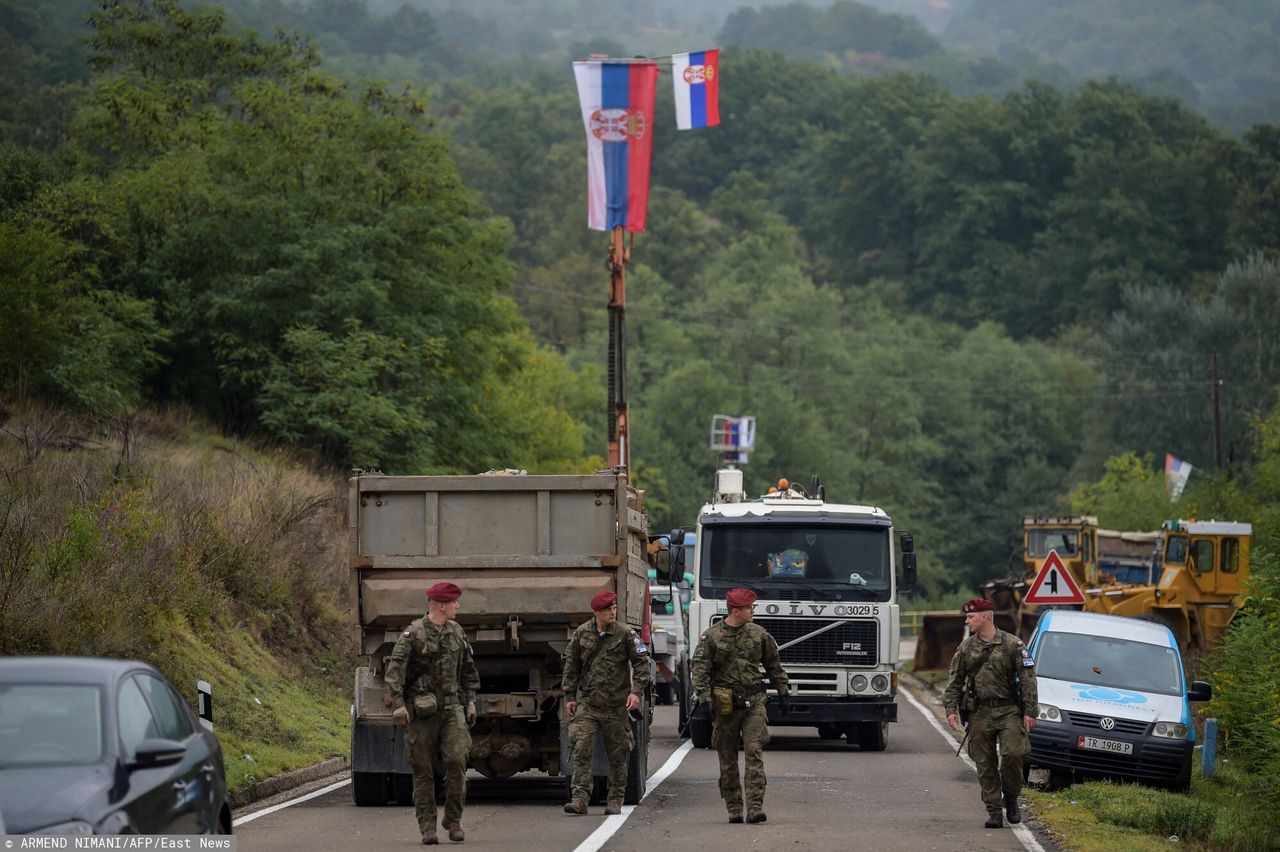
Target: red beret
(603, 600)
(444, 592)
(977, 605)
(740, 597)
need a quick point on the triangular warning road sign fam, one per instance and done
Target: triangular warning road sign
(1054, 584)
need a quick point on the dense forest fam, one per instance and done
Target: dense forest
(958, 307)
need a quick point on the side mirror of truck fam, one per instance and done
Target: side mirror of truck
(662, 565)
(1200, 691)
(908, 569)
(677, 538)
(907, 542)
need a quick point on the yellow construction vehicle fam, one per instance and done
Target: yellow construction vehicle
(1203, 566)
(1189, 575)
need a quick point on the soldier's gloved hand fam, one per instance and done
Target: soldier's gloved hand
(400, 716)
(784, 706)
(471, 714)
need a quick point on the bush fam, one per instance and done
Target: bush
(1247, 681)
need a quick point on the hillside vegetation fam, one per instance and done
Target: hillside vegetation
(212, 559)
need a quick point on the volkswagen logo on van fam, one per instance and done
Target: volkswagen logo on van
(1107, 723)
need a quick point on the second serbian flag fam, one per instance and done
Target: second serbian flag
(617, 112)
(696, 77)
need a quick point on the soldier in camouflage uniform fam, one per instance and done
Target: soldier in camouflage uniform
(994, 679)
(606, 670)
(729, 656)
(433, 683)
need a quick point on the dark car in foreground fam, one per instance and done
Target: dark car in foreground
(97, 746)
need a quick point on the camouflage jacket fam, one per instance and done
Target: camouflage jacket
(430, 659)
(1008, 676)
(601, 669)
(732, 656)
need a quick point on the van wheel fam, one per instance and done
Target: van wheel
(1059, 779)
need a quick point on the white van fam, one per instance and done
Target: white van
(1113, 701)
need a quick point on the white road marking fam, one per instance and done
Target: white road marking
(1020, 830)
(251, 817)
(611, 824)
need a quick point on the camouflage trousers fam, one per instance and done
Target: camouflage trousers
(442, 735)
(750, 724)
(992, 730)
(615, 725)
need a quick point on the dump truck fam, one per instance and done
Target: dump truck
(528, 552)
(827, 586)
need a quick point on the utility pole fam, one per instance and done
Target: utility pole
(1217, 416)
(618, 424)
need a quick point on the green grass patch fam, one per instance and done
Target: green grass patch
(269, 715)
(1222, 813)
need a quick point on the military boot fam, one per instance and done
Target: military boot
(735, 816)
(1011, 810)
(613, 807)
(456, 834)
(577, 807)
(756, 816)
(995, 820)
(429, 837)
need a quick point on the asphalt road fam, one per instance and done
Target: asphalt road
(822, 795)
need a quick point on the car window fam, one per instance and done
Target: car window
(136, 722)
(50, 724)
(1103, 661)
(174, 723)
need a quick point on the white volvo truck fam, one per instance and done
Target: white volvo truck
(827, 591)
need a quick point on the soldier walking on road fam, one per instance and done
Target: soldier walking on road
(993, 681)
(606, 670)
(433, 683)
(726, 673)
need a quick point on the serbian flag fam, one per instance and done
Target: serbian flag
(617, 112)
(696, 77)
(1176, 472)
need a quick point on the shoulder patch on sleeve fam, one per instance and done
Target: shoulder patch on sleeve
(406, 634)
(641, 648)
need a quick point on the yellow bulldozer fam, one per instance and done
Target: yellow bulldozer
(1188, 575)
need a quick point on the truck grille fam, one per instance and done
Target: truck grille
(852, 643)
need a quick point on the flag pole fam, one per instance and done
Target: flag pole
(619, 437)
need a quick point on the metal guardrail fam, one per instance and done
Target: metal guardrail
(912, 621)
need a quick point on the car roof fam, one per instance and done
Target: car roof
(1111, 626)
(67, 669)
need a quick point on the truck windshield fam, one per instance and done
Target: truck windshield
(1040, 542)
(1104, 661)
(796, 561)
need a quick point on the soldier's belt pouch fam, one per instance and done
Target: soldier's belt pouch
(722, 700)
(424, 706)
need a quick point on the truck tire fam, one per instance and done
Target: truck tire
(369, 789)
(637, 764)
(685, 699)
(700, 732)
(402, 788)
(873, 736)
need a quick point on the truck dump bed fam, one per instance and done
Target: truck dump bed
(530, 548)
